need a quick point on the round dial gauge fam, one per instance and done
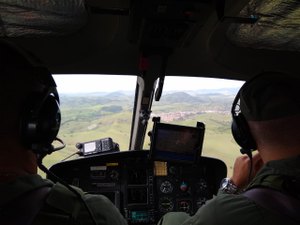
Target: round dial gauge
(202, 185)
(184, 205)
(166, 187)
(114, 175)
(166, 204)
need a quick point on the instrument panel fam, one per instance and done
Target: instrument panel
(144, 190)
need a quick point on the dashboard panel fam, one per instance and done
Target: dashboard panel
(144, 190)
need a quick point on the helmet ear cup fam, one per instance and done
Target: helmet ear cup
(40, 122)
(241, 133)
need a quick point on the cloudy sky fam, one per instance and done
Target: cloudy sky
(102, 83)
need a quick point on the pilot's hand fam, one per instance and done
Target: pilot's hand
(241, 169)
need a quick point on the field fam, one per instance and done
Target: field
(98, 115)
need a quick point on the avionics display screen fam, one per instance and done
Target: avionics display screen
(137, 195)
(139, 216)
(176, 143)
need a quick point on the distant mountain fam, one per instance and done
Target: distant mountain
(223, 91)
(96, 98)
(119, 93)
(179, 97)
(115, 94)
(220, 96)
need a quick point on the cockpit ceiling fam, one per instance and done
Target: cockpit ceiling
(277, 28)
(41, 18)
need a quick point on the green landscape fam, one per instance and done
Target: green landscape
(87, 117)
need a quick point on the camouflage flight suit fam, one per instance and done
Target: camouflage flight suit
(62, 207)
(236, 209)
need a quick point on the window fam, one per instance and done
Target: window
(186, 100)
(99, 106)
(93, 107)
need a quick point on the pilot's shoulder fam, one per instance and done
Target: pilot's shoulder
(75, 203)
(227, 209)
(104, 210)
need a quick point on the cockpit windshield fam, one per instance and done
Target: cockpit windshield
(98, 106)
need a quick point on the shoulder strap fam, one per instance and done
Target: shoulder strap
(275, 201)
(24, 209)
(64, 200)
(72, 203)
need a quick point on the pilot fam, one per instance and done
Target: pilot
(266, 117)
(30, 120)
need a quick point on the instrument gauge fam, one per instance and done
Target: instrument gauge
(166, 204)
(184, 205)
(114, 175)
(173, 170)
(202, 185)
(166, 187)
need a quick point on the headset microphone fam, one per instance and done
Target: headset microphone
(63, 145)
